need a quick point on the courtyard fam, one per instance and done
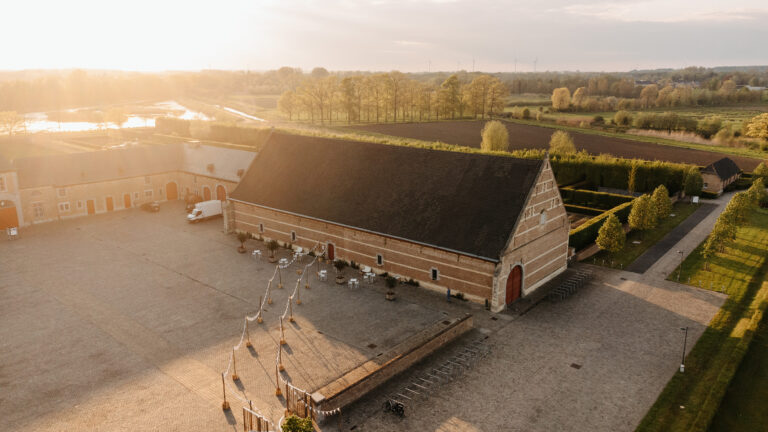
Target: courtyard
(125, 321)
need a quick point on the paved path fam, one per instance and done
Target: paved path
(650, 256)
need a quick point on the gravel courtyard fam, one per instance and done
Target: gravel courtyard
(125, 321)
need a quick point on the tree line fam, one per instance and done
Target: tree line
(392, 96)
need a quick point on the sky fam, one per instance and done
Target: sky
(382, 35)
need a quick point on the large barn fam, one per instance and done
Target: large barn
(490, 227)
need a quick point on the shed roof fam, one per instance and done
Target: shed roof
(724, 168)
(468, 203)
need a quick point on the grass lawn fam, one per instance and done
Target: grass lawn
(743, 407)
(717, 354)
(647, 239)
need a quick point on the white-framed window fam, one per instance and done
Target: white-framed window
(261, 227)
(543, 217)
(379, 259)
(435, 273)
(2, 183)
(135, 196)
(293, 236)
(80, 205)
(61, 192)
(38, 210)
(706, 185)
(146, 180)
(148, 193)
(64, 207)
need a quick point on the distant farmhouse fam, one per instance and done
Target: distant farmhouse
(48, 188)
(718, 175)
(493, 228)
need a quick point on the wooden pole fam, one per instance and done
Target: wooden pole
(225, 404)
(290, 309)
(234, 366)
(250, 420)
(247, 335)
(282, 332)
(280, 366)
(280, 275)
(269, 292)
(298, 293)
(278, 392)
(259, 319)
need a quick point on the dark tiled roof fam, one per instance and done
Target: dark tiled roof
(724, 168)
(95, 166)
(457, 201)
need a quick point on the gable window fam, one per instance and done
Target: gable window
(2, 183)
(293, 236)
(61, 192)
(379, 259)
(64, 207)
(543, 217)
(38, 210)
(261, 228)
(435, 274)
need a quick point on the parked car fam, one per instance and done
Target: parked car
(152, 206)
(204, 210)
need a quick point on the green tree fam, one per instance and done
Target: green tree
(561, 99)
(761, 171)
(622, 118)
(642, 216)
(116, 116)
(648, 95)
(757, 191)
(495, 137)
(450, 95)
(693, 182)
(288, 103)
(739, 207)
(632, 180)
(297, 424)
(611, 236)
(757, 127)
(10, 121)
(660, 202)
(561, 143)
(579, 97)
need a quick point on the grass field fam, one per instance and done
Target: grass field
(690, 399)
(647, 239)
(743, 407)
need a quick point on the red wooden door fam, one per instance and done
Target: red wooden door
(514, 282)
(110, 204)
(127, 200)
(91, 207)
(206, 194)
(171, 191)
(331, 254)
(8, 217)
(221, 193)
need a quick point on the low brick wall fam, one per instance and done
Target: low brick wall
(366, 377)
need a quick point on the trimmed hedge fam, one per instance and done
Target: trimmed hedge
(588, 198)
(586, 234)
(709, 195)
(591, 211)
(615, 172)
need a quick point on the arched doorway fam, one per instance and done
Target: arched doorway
(331, 253)
(91, 206)
(127, 200)
(206, 193)
(514, 283)
(221, 193)
(171, 191)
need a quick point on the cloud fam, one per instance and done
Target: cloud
(666, 11)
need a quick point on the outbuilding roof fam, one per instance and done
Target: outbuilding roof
(96, 166)
(463, 202)
(724, 168)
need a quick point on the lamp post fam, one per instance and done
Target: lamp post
(685, 340)
(680, 269)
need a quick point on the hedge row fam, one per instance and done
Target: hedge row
(615, 173)
(239, 135)
(172, 126)
(588, 198)
(591, 211)
(586, 234)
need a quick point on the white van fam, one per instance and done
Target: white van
(204, 210)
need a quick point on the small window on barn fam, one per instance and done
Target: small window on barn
(379, 259)
(706, 185)
(293, 236)
(261, 228)
(435, 274)
(148, 193)
(62, 192)
(543, 217)
(64, 207)
(79, 205)
(146, 180)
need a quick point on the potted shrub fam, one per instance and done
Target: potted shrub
(339, 265)
(391, 282)
(242, 237)
(272, 247)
